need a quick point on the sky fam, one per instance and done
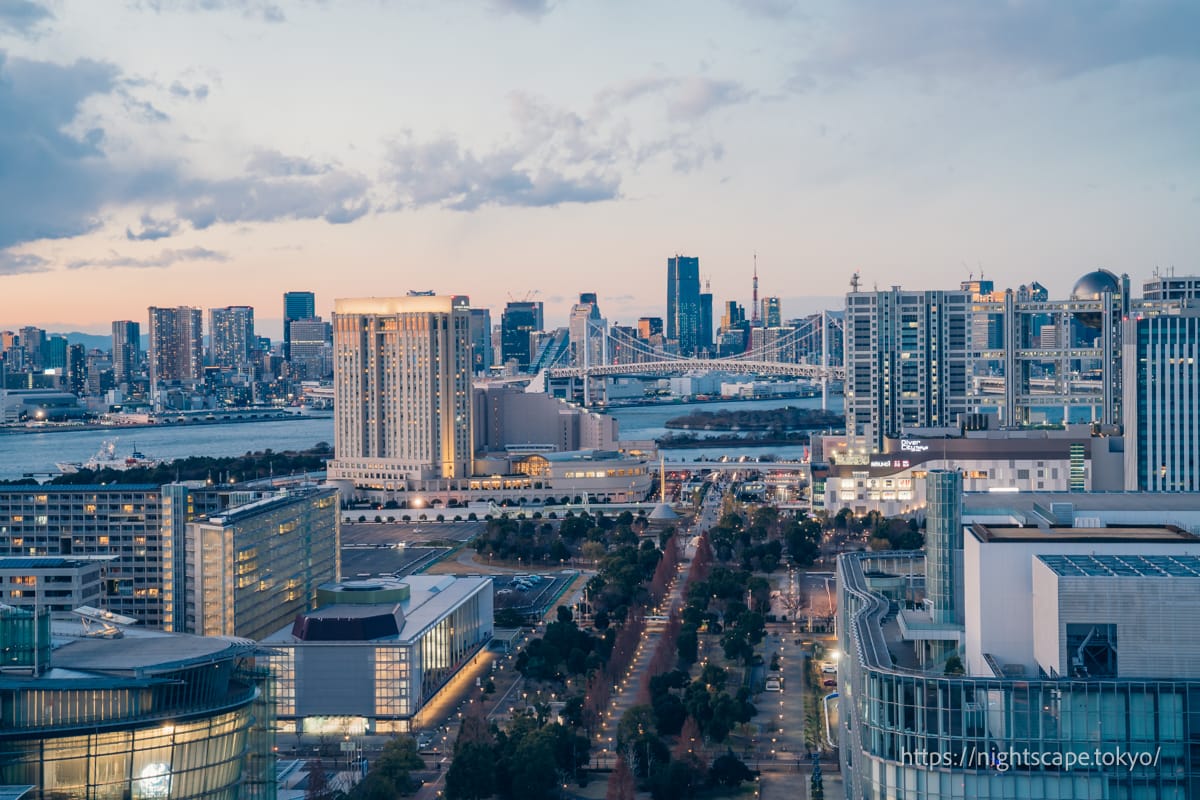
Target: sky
(221, 152)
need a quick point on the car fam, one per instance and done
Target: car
(830, 683)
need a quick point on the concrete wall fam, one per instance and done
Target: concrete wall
(999, 593)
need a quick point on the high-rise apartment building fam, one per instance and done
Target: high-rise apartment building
(906, 361)
(76, 372)
(683, 303)
(296, 305)
(176, 345)
(1162, 402)
(520, 320)
(231, 330)
(704, 341)
(402, 390)
(481, 340)
(126, 350)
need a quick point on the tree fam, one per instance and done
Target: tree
(374, 787)
(728, 770)
(954, 666)
(398, 759)
(316, 787)
(472, 772)
(621, 785)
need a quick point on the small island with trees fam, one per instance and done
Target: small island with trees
(789, 425)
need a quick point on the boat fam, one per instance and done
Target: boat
(107, 458)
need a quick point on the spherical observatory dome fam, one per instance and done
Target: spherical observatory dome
(1092, 286)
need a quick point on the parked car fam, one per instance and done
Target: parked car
(829, 683)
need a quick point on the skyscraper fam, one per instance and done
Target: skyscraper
(683, 302)
(772, 317)
(1162, 402)
(76, 369)
(54, 353)
(520, 319)
(402, 390)
(296, 305)
(33, 339)
(176, 345)
(231, 330)
(311, 353)
(704, 341)
(481, 340)
(126, 350)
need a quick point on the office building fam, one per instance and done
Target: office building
(231, 331)
(705, 340)
(76, 370)
(255, 566)
(296, 305)
(109, 712)
(402, 389)
(1162, 402)
(1058, 659)
(923, 358)
(60, 585)
(126, 351)
(481, 341)
(518, 323)
(649, 327)
(311, 349)
(176, 345)
(374, 652)
(54, 353)
(889, 480)
(33, 340)
(771, 314)
(683, 303)
(1182, 288)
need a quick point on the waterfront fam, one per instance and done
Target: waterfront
(36, 453)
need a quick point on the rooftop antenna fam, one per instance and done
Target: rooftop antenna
(855, 281)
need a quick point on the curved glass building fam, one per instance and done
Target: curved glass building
(141, 716)
(1068, 667)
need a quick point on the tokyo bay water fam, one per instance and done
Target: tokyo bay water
(37, 452)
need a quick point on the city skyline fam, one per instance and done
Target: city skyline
(1032, 141)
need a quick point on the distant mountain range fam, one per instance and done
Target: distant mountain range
(95, 341)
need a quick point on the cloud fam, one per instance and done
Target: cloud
(526, 8)
(16, 263)
(152, 230)
(184, 92)
(771, 9)
(58, 185)
(684, 98)
(441, 173)
(1045, 39)
(22, 17)
(164, 259)
(251, 9)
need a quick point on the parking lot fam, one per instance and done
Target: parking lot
(387, 533)
(527, 596)
(375, 560)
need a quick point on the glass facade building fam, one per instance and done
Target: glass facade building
(146, 716)
(377, 651)
(906, 733)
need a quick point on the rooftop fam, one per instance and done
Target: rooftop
(1132, 533)
(1026, 503)
(1181, 566)
(431, 598)
(139, 650)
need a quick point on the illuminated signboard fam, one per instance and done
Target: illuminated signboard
(913, 446)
